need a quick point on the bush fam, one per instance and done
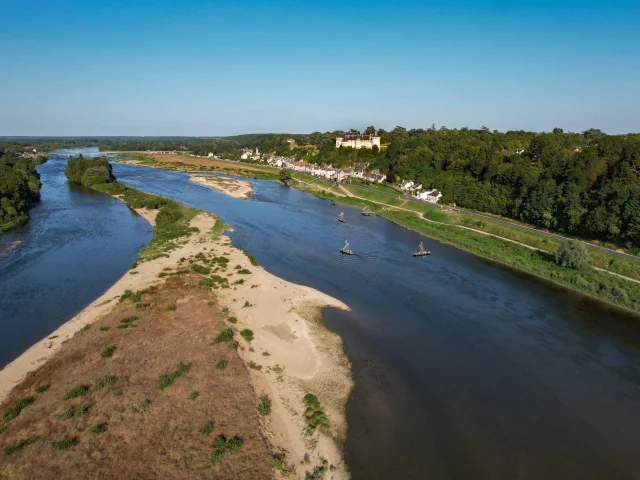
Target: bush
(65, 444)
(11, 413)
(95, 176)
(264, 407)
(75, 392)
(89, 171)
(224, 336)
(247, 334)
(572, 254)
(108, 351)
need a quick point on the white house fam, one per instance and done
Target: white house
(406, 185)
(355, 140)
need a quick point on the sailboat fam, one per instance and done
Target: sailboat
(366, 212)
(421, 252)
(341, 218)
(346, 249)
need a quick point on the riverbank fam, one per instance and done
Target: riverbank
(602, 285)
(195, 301)
(229, 186)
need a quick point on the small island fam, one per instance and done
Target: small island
(229, 186)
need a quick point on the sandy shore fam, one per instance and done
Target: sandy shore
(229, 186)
(298, 355)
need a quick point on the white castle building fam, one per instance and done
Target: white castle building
(356, 140)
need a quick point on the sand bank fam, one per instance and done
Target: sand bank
(295, 352)
(229, 186)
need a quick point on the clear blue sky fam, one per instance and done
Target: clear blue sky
(143, 67)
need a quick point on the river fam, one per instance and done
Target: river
(77, 244)
(463, 369)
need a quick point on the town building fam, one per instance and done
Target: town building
(355, 140)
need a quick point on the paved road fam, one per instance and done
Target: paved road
(503, 222)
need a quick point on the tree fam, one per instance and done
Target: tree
(370, 130)
(558, 131)
(572, 254)
(285, 176)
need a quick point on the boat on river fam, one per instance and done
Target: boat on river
(366, 212)
(346, 249)
(333, 202)
(421, 252)
(341, 218)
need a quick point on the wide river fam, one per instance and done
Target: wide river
(463, 369)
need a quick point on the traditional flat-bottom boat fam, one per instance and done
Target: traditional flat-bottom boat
(366, 212)
(341, 218)
(346, 249)
(421, 252)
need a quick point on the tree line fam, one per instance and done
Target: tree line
(19, 185)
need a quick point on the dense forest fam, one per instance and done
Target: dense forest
(19, 185)
(89, 171)
(578, 183)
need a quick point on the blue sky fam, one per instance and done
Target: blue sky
(142, 67)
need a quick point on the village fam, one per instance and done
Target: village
(342, 175)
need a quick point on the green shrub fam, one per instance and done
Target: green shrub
(235, 444)
(82, 410)
(65, 444)
(200, 269)
(193, 395)
(15, 448)
(77, 391)
(104, 329)
(217, 456)
(129, 319)
(108, 351)
(247, 334)
(107, 381)
(145, 404)
(43, 388)
(165, 381)
(98, 429)
(572, 254)
(232, 320)
(207, 428)
(254, 365)
(264, 407)
(221, 365)
(224, 336)
(244, 271)
(219, 442)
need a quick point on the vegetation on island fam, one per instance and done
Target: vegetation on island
(89, 171)
(19, 185)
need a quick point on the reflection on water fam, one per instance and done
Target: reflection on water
(76, 245)
(463, 369)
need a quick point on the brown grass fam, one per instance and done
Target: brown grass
(205, 162)
(161, 440)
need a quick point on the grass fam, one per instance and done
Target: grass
(247, 334)
(219, 442)
(221, 365)
(244, 271)
(235, 444)
(15, 448)
(225, 335)
(265, 354)
(145, 405)
(65, 444)
(129, 319)
(233, 320)
(264, 406)
(172, 221)
(219, 228)
(254, 365)
(76, 392)
(239, 281)
(165, 381)
(247, 304)
(105, 329)
(82, 410)
(216, 457)
(43, 388)
(142, 305)
(108, 351)
(234, 345)
(107, 381)
(207, 428)
(193, 395)
(251, 258)
(172, 308)
(99, 428)
(200, 269)
(66, 414)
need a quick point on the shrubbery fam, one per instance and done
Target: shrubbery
(89, 171)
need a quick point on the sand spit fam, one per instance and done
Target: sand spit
(229, 186)
(292, 352)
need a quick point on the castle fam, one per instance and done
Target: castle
(356, 140)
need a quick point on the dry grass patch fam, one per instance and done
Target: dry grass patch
(114, 421)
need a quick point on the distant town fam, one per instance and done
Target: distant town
(329, 172)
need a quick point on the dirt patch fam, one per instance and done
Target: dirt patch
(229, 186)
(148, 432)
